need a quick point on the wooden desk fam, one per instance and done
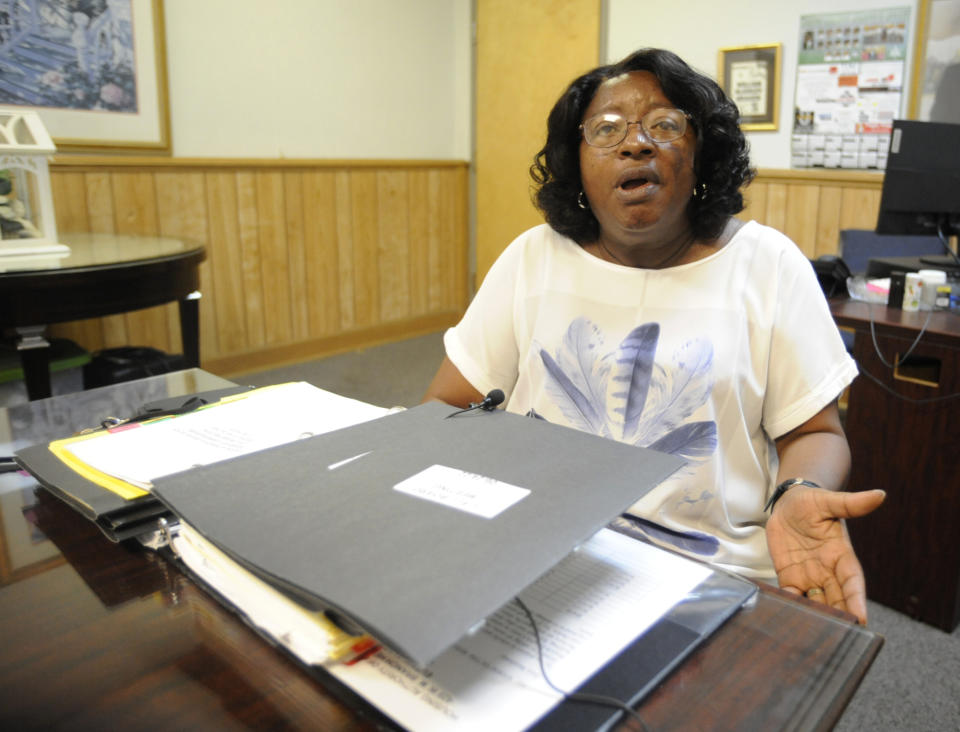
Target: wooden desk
(104, 274)
(903, 437)
(97, 635)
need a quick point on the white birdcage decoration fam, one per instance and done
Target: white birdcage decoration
(26, 203)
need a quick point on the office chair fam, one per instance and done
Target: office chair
(859, 246)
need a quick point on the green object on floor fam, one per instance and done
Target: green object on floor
(64, 354)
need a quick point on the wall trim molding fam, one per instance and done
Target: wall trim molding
(107, 162)
(270, 357)
(819, 176)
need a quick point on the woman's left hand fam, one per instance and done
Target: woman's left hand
(811, 548)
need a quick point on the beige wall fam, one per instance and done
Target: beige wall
(319, 78)
(527, 53)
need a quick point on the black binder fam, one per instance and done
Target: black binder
(416, 574)
(117, 517)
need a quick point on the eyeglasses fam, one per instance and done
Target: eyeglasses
(659, 125)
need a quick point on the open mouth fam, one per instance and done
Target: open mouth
(634, 183)
(637, 179)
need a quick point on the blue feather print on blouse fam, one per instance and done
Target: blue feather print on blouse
(627, 395)
(580, 374)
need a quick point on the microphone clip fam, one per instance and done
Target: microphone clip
(490, 402)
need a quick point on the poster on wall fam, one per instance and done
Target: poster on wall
(850, 73)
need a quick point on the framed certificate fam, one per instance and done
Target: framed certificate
(750, 76)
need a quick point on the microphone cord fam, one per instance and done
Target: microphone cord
(583, 698)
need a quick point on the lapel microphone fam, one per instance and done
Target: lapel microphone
(490, 402)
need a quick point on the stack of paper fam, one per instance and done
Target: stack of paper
(309, 634)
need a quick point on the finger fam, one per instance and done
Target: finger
(854, 588)
(856, 604)
(852, 505)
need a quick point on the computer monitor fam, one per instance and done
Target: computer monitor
(921, 186)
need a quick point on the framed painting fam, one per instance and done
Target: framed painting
(750, 76)
(935, 86)
(95, 71)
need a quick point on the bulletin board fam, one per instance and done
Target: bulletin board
(850, 77)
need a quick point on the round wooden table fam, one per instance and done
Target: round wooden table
(104, 274)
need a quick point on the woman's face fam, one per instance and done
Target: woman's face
(639, 189)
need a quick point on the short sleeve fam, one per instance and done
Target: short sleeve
(809, 364)
(483, 345)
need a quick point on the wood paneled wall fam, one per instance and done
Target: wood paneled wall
(310, 258)
(304, 258)
(813, 206)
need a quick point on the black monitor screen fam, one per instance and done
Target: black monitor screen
(921, 186)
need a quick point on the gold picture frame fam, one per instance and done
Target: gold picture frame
(750, 76)
(934, 91)
(108, 93)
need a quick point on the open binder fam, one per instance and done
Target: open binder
(106, 474)
(119, 518)
(418, 527)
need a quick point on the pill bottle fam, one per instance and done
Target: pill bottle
(911, 291)
(931, 279)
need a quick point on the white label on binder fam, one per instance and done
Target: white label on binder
(476, 494)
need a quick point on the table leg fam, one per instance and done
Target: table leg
(34, 352)
(190, 329)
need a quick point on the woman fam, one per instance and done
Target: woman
(643, 311)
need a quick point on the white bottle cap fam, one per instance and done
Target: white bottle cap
(932, 276)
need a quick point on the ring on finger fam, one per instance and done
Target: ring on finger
(814, 591)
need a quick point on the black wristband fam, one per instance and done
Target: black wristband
(784, 487)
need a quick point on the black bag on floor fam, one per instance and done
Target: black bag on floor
(113, 365)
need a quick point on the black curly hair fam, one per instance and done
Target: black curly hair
(722, 161)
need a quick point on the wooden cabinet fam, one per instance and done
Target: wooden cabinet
(903, 424)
